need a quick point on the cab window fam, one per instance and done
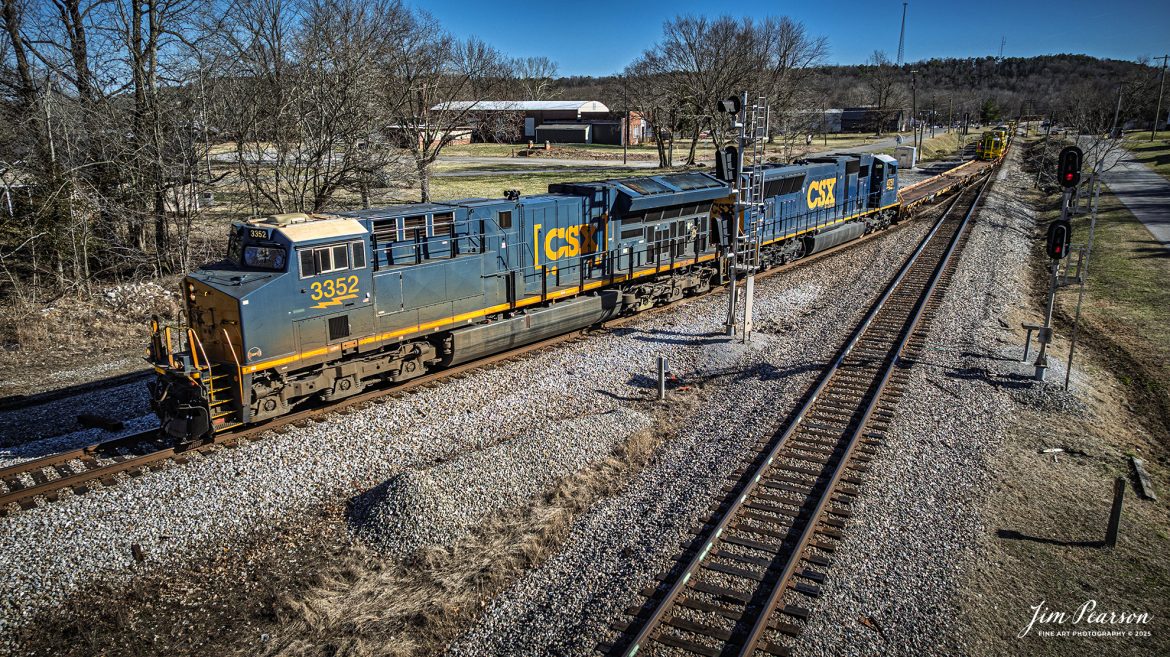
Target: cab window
(264, 256)
(270, 258)
(331, 258)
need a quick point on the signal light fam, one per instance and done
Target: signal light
(1068, 166)
(1059, 239)
(730, 106)
(727, 164)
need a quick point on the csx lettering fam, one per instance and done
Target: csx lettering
(820, 193)
(569, 242)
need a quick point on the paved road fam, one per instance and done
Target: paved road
(1145, 193)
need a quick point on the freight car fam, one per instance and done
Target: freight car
(323, 306)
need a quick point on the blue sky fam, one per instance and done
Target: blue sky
(599, 37)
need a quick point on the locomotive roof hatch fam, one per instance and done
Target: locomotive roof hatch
(299, 227)
(636, 194)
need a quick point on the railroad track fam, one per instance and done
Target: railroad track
(104, 464)
(744, 584)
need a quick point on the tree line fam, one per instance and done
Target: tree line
(120, 120)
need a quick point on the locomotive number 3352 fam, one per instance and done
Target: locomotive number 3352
(346, 286)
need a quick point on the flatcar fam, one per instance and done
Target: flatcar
(323, 306)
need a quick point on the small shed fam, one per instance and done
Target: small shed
(907, 157)
(565, 133)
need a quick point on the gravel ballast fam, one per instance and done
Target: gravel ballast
(901, 558)
(565, 606)
(176, 515)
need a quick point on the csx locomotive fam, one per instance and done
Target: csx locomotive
(323, 306)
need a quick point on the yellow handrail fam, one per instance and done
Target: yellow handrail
(239, 369)
(191, 340)
(170, 348)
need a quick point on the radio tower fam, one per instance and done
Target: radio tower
(1002, 43)
(902, 37)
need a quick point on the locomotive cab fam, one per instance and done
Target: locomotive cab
(883, 185)
(205, 382)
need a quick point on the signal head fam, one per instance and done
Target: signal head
(729, 106)
(1068, 166)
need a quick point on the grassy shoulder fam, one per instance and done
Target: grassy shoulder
(1128, 293)
(1153, 153)
(946, 145)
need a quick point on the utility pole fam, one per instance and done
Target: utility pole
(1117, 112)
(1158, 109)
(625, 136)
(914, 105)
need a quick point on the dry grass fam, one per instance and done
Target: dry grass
(367, 606)
(77, 331)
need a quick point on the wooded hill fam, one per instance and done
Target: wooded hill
(1053, 85)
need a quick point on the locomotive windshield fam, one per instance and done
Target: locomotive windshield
(266, 257)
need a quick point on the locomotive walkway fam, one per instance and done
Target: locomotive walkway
(1144, 192)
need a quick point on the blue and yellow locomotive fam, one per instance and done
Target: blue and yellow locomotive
(324, 306)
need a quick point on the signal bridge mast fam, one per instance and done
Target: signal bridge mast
(747, 221)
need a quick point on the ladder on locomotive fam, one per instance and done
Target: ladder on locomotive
(751, 190)
(225, 412)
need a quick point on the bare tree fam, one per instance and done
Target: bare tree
(535, 76)
(642, 90)
(306, 109)
(701, 60)
(882, 79)
(432, 83)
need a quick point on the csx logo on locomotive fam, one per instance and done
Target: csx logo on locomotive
(820, 193)
(569, 241)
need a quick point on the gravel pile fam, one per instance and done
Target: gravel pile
(914, 534)
(439, 505)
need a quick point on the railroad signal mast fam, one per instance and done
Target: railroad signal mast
(1068, 173)
(747, 220)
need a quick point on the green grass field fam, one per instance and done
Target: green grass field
(1128, 292)
(1155, 154)
(450, 187)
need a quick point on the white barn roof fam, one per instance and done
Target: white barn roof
(523, 105)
